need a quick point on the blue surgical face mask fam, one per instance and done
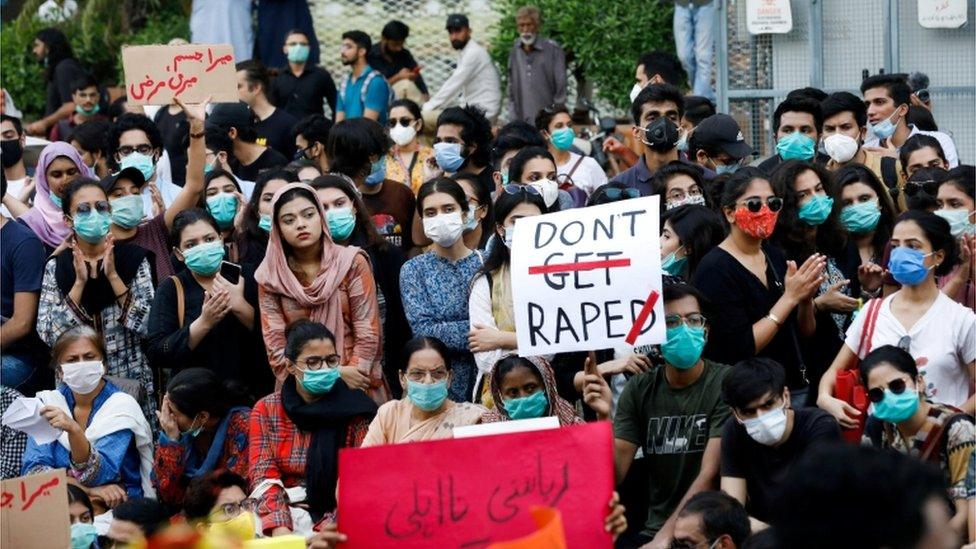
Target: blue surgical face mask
(683, 143)
(83, 535)
(861, 218)
(885, 128)
(204, 259)
(684, 346)
(448, 156)
(377, 172)
(528, 407)
(796, 146)
(674, 265)
(192, 432)
(427, 396)
(896, 408)
(264, 223)
(93, 226)
(341, 223)
(298, 53)
(908, 266)
(563, 138)
(141, 162)
(223, 207)
(319, 382)
(127, 211)
(816, 210)
(472, 222)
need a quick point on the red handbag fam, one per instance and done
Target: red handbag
(847, 384)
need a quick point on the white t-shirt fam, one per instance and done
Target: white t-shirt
(943, 344)
(14, 188)
(588, 176)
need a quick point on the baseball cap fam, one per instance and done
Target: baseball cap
(132, 174)
(230, 115)
(457, 21)
(720, 131)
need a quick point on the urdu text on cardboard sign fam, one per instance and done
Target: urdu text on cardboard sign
(34, 511)
(154, 75)
(588, 278)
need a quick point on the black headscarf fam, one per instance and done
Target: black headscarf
(327, 419)
(98, 293)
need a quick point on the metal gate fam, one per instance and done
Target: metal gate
(832, 43)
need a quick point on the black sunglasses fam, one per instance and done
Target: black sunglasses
(896, 386)
(755, 204)
(511, 188)
(404, 121)
(931, 187)
(614, 193)
(85, 208)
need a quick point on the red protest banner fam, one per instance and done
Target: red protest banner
(34, 511)
(475, 491)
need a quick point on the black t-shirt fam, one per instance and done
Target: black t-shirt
(275, 132)
(765, 467)
(402, 59)
(270, 158)
(392, 210)
(173, 128)
(59, 87)
(302, 95)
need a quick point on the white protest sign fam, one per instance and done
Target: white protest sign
(588, 278)
(769, 16)
(942, 14)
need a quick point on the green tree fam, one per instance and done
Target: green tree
(602, 39)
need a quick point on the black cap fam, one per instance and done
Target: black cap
(230, 115)
(132, 174)
(720, 131)
(457, 21)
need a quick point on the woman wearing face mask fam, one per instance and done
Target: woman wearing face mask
(918, 318)
(957, 205)
(223, 200)
(350, 225)
(688, 233)
(204, 426)
(478, 229)
(868, 215)
(535, 166)
(57, 166)
(254, 224)
(198, 311)
(106, 443)
(81, 513)
(763, 303)
(218, 502)
(678, 184)
(426, 412)
(406, 159)
(524, 388)
(434, 286)
(97, 282)
(306, 275)
(581, 172)
(492, 334)
(295, 434)
(914, 425)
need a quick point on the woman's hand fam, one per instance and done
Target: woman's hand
(616, 521)
(216, 304)
(871, 276)
(596, 392)
(241, 209)
(834, 300)
(158, 205)
(110, 494)
(633, 364)
(844, 413)
(167, 421)
(195, 112)
(80, 265)
(327, 538)
(59, 419)
(482, 338)
(801, 283)
(108, 259)
(234, 291)
(354, 378)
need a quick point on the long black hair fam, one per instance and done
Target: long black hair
(939, 235)
(252, 213)
(699, 229)
(186, 218)
(196, 390)
(58, 49)
(483, 195)
(735, 187)
(420, 343)
(365, 227)
(791, 233)
(504, 204)
(858, 173)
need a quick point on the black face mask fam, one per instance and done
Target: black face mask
(661, 135)
(459, 44)
(10, 152)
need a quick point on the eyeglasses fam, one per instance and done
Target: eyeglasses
(231, 510)
(896, 386)
(439, 374)
(126, 150)
(318, 362)
(85, 208)
(403, 120)
(931, 187)
(512, 188)
(755, 204)
(615, 193)
(694, 320)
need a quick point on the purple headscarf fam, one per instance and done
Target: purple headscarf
(45, 218)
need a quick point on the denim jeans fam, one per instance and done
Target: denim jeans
(694, 38)
(14, 371)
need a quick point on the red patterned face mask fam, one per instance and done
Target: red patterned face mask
(757, 224)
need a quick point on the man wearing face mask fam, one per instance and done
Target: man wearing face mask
(462, 143)
(12, 142)
(797, 120)
(718, 145)
(135, 142)
(86, 97)
(767, 437)
(302, 86)
(311, 137)
(656, 111)
(536, 68)
(887, 97)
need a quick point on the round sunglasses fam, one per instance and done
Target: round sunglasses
(896, 386)
(755, 204)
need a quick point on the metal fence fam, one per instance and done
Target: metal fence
(831, 44)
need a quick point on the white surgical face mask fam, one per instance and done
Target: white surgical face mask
(509, 236)
(549, 190)
(401, 135)
(841, 148)
(768, 428)
(82, 377)
(635, 91)
(444, 229)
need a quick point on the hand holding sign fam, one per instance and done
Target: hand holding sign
(596, 392)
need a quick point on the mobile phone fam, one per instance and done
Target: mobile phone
(231, 272)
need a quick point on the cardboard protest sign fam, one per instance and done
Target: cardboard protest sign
(154, 75)
(476, 491)
(588, 278)
(34, 511)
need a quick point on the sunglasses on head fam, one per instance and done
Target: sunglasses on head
(614, 193)
(512, 188)
(930, 187)
(896, 386)
(403, 120)
(755, 204)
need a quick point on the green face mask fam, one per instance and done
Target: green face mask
(527, 407)
(264, 223)
(127, 212)
(93, 226)
(204, 259)
(223, 207)
(815, 211)
(684, 346)
(562, 138)
(319, 382)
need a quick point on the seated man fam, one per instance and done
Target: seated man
(767, 437)
(715, 518)
(717, 144)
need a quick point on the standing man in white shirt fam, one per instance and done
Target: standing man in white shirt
(475, 79)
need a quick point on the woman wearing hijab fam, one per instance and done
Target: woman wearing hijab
(296, 434)
(58, 165)
(98, 282)
(306, 275)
